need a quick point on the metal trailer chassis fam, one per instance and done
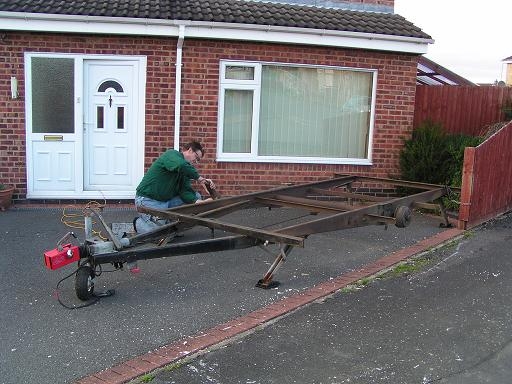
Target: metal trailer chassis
(335, 204)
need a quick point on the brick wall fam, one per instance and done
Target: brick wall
(393, 118)
(12, 128)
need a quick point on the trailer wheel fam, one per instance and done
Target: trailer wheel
(402, 216)
(84, 283)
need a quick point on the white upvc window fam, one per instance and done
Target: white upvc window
(273, 112)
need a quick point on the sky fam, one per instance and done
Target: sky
(472, 37)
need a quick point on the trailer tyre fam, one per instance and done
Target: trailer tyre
(402, 216)
(84, 283)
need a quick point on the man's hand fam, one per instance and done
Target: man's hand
(208, 182)
(204, 201)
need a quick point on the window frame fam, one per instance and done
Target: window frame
(255, 85)
(240, 85)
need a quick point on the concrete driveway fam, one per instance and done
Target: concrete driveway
(171, 298)
(448, 320)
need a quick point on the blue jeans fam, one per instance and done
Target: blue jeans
(146, 222)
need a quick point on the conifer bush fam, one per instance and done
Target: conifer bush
(426, 156)
(433, 156)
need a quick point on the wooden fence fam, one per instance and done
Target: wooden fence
(461, 109)
(487, 179)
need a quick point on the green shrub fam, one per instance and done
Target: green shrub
(456, 145)
(433, 156)
(426, 156)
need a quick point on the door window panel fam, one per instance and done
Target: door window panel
(110, 84)
(100, 117)
(53, 95)
(120, 117)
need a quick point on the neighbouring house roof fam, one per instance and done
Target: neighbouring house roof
(431, 73)
(343, 4)
(508, 59)
(351, 23)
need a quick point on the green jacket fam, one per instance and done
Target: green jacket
(169, 176)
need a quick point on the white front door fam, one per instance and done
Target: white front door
(109, 125)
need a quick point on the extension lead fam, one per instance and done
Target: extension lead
(96, 296)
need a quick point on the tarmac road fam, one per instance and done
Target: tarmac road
(449, 322)
(43, 342)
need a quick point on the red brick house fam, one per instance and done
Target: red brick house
(93, 91)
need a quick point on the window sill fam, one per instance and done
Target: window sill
(294, 160)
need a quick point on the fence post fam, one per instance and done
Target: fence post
(467, 187)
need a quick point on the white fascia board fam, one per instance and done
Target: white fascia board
(35, 22)
(308, 36)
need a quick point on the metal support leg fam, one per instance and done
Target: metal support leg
(350, 190)
(266, 282)
(442, 208)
